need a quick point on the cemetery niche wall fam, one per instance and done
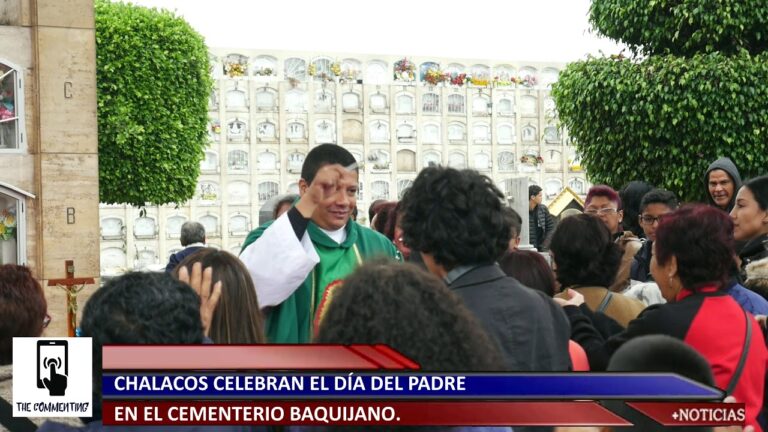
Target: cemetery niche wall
(269, 108)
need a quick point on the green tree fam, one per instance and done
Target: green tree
(694, 91)
(153, 81)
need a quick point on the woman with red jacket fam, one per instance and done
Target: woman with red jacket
(692, 256)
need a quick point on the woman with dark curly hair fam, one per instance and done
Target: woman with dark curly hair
(586, 259)
(692, 258)
(455, 219)
(398, 304)
(406, 308)
(237, 318)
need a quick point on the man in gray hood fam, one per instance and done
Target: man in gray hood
(722, 181)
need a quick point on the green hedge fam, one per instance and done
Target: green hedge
(684, 27)
(153, 81)
(666, 118)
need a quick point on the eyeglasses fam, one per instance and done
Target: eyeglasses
(650, 220)
(46, 320)
(601, 212)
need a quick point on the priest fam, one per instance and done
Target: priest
(298, 260)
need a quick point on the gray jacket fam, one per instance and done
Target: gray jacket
(530, 329)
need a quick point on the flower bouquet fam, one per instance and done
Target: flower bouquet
(503, 81)
(311, 69)
(459, 79)
(336, 68)
(6, 113)
(264, 72)
(7, 224)
(528, 81)
(404, 70)
(235, 69)
(435, 76)
(531, 160)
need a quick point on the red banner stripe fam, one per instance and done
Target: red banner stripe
(405, 361)
(242, 357)
(374, 356)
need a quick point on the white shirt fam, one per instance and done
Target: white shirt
(338, 236)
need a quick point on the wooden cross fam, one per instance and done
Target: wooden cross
(72, 286)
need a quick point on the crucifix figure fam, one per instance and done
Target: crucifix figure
(72, 286)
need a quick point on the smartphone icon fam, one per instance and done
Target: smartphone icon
(51, 357)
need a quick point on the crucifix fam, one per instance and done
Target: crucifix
(72, 286)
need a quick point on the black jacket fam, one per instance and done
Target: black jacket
(179, 256)
(754, 250)
(530, 329)
(641, 264)
(541, 225)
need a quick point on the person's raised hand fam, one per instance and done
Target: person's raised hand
(201, 280)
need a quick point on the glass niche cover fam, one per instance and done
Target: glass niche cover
(8, 230)
(9, 115)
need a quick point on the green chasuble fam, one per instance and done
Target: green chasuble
(292, 321)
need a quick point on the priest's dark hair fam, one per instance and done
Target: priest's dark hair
(412, 311)
(140, 308)
(456, 216)
(324, 154)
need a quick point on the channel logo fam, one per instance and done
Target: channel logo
(58, 383)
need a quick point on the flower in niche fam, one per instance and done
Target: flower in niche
(459, 79)
(405, 70)
(528, 81)
(8, 224)
(336, 68)
(531, 160)
(435, 76)
(235, 69)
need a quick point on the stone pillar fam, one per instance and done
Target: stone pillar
(64, 54)
(517, 198)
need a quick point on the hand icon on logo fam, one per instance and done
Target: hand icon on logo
(57, 383)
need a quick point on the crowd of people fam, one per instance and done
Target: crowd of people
(635, 282)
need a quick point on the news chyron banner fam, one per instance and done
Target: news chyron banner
(374, 385)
